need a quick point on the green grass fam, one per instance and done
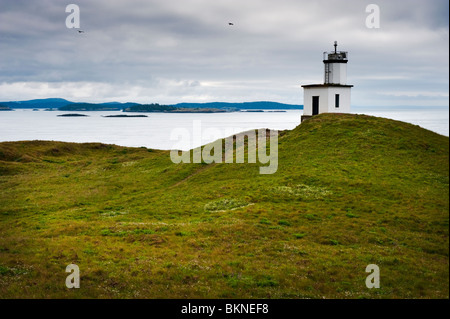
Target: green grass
(349, 191)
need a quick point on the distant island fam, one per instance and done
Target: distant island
(88, 107)
(5, 108)
(171, 109)
(210, 107)
(37, 104)
(262, 105)
(154, 107)
(200, 110)
(124, 115)
(72, 115)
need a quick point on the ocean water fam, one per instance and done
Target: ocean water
(177, 131)
(435, 119)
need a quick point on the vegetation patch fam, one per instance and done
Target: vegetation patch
(113, 214)
(121, 233)
(12, 271)
(224, 205)
(302, 191)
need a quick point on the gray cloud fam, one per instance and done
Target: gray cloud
(184, 50)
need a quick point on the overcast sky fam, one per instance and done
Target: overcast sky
(171, 51)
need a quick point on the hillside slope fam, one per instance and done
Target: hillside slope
(350, 190)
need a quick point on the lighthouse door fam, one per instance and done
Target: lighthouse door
(315, 105)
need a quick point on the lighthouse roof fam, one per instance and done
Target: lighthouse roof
(338, 56)
(335, 56)
(326, 85)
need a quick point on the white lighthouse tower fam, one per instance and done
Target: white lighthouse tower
(334, 95)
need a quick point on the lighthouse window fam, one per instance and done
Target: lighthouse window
(336, 100)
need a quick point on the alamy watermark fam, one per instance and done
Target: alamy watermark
(373, 280)
(73, 280)
(73, 19)
(261, 145)
(373, 19)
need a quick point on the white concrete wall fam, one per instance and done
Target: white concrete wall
(342, 73)
(338, 74)
(307, 100)
(327, 99)
(344, 99)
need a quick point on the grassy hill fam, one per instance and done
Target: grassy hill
(350, 190)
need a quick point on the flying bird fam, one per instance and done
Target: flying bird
(230, 23)
(80, 31)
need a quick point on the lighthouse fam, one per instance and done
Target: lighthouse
(333, 96)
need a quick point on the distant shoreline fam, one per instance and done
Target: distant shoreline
(66, 105)
(124, 115)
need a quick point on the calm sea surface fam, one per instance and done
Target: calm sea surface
(155, 130)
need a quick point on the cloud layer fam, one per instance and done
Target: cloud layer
(184, 50)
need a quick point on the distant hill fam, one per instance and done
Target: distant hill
(55, 103)
(90, 107)
(263, 105)
(171, 109)
(122, 105)
(149, 108)
(62, 105)
(36, 104)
